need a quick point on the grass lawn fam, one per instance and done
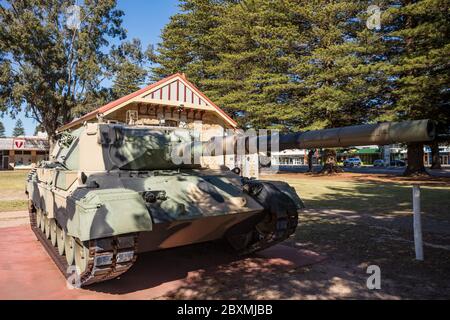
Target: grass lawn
(363, 222)
(12, 188)
(13, 205)
(370, 196)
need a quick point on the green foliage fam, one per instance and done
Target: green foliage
(421, 68)
(298, 64)
(38, 128)
(129, 66)
(18, 130)
(52, 71)
(2, 130)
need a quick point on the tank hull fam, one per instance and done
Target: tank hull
(181, 233)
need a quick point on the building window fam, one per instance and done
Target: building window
(171, 123)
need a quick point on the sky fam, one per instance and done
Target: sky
(143, 19)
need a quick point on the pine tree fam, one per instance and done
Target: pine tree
(2, 130)
(298, 64)
(257, 42)
(38, 128)
(18, 130)
(129, 67)
(420, 68)
(187, 44)
(265, 62)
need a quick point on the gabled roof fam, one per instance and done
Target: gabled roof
(173, 90)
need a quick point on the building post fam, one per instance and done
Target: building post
(33, 156)
(12, 157)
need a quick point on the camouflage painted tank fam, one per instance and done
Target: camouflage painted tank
(112, 191)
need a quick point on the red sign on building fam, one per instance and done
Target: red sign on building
(19, 144)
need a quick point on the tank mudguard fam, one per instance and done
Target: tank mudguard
(289, 191)
(95, 214)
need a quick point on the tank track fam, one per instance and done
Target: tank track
(285, 227)
(281, 219)
(108, 257)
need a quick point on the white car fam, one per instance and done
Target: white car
(353, 162)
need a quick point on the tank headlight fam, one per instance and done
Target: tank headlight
(103, 260)
(125, 256)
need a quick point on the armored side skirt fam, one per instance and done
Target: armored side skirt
(180, 233)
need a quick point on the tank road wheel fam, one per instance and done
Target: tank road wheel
(60, 240)
(38, 218)
(47, 227)
(43, 217)
(69, 247)
(53, 228)
(81, 257)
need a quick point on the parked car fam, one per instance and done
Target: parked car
(398, 163)
(378, 163)
(353, 162)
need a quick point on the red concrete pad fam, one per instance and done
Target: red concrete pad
(27, 272)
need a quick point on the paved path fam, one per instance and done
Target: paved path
(14, 219)
(27, 272)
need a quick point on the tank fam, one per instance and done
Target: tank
(112, 191)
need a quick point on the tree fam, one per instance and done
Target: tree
(311, 160)
(301, 65)
(18, 130)
(435, 156)
(419, 68)
(188, 46)
(38, 129)
(185, 45)
(2, 130)
(128, 63)
(335, 86)
(51, 70)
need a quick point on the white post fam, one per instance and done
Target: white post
(417, 223)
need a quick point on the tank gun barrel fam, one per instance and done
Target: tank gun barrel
(370, 134)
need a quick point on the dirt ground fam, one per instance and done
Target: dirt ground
(326, 259)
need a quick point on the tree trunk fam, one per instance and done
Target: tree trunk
(415, 160)
(329, 159)
(52, 141)
(435, 157)
(310, 160)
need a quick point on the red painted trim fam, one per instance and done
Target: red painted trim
(170, 90)
(211, 103)
(117, 102)
(178, 90)
(185, 93)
